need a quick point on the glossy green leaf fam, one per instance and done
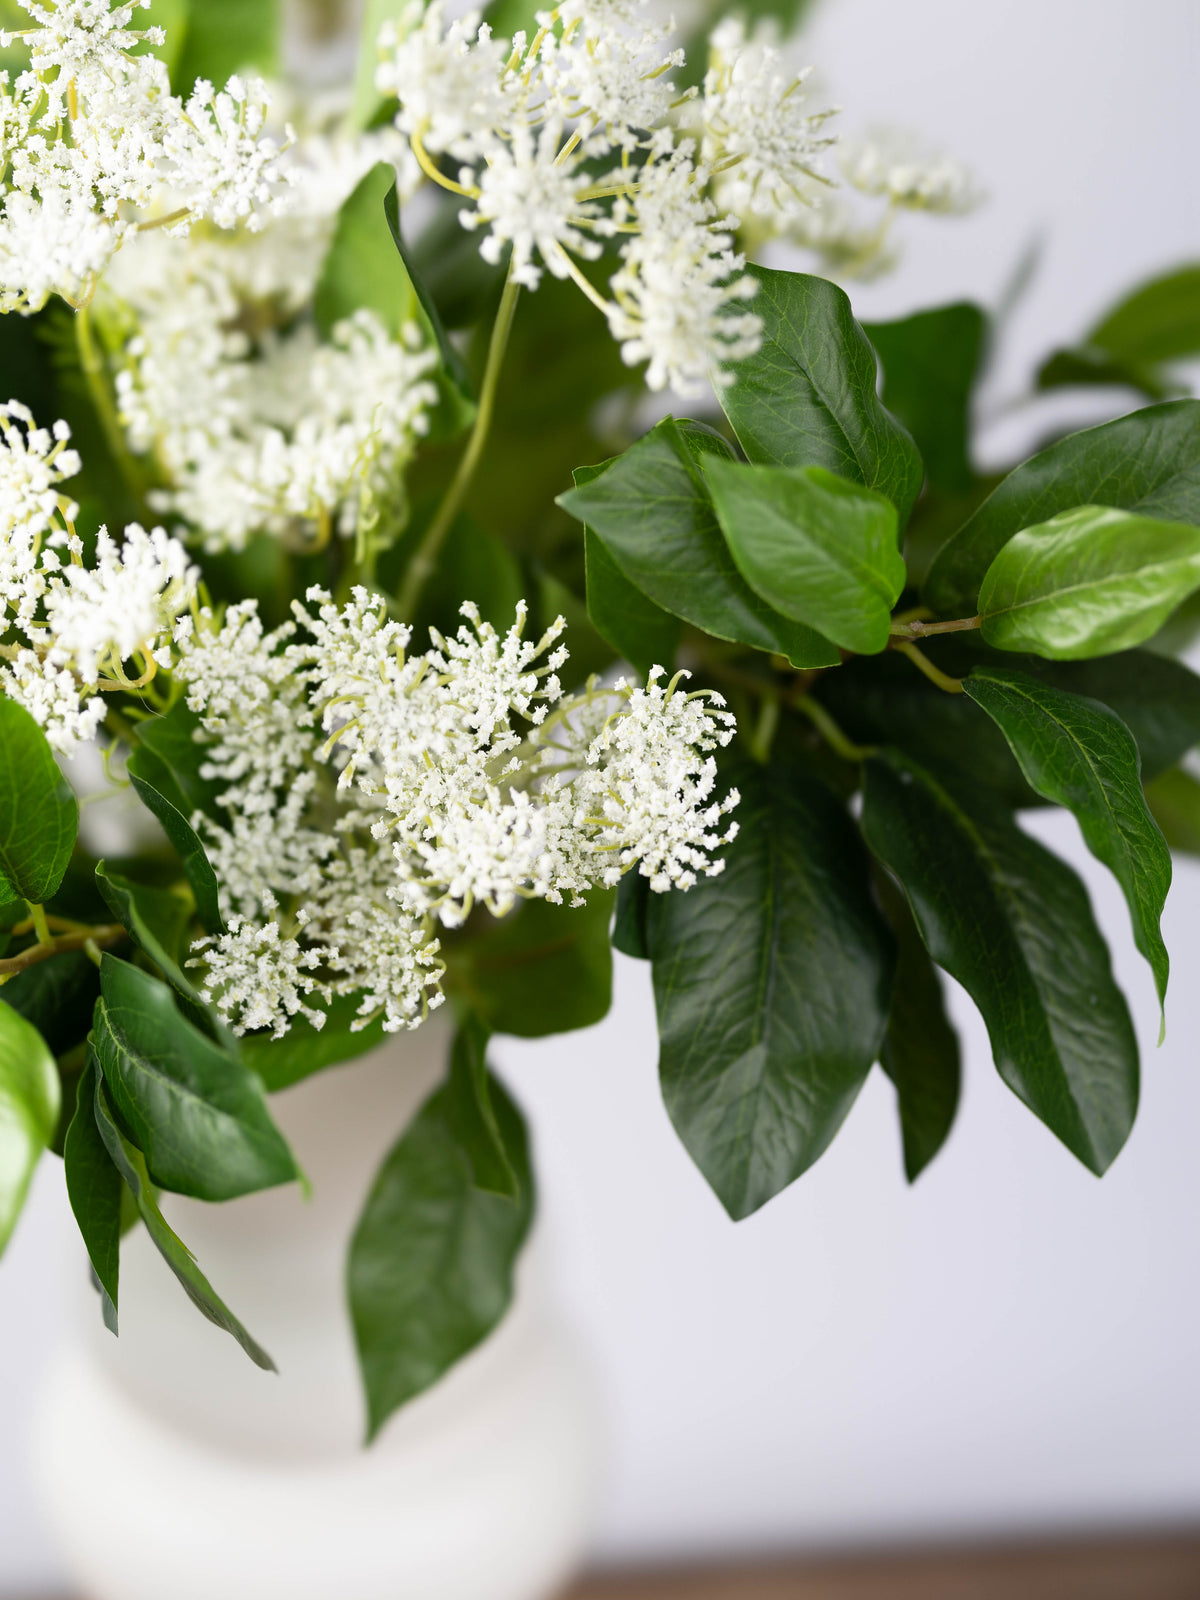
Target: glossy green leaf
(94, 1189)
(808, 398)
(771, 983)
(815, 547)
(228, 36)
(1077, 753)
(652, 511)
(920, 1051)
(1012, 923)
(39, 816)
(629, 924)
(1148, 462)
(304, 1049)
(1087, 583)
(471, 1116)
(431, 1261)
(360, 270)
(130, 1163)
(196, 1112)
(1174, 800)
(161, 794)
(641, 632)
(931, 363)
(541, 969)
(29, 1102)
(58, 997)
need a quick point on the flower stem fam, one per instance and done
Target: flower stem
(92, 365)
(830, 732)
(102, 938)
(915, 627)
(935, 674)
(424, 559)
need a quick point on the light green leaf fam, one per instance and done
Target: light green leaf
(361, 271)
(1148, 462)
(920, 1052)
(817, 548)
(1157, 323)
(1012, 923)
(652, 511)
(94, 1190)
(808, 398)
(29, 1104)
(39, 816)
(367, 101)
(130, 1163)
(771, 983)
(931, 363)
(1087, 583)
(196, 1112)
(1077, 753)
(228, 36)
(431, 1261)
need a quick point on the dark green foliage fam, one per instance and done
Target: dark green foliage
(39, 816)
(931, 362)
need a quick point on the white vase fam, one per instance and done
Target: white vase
(172, 1469)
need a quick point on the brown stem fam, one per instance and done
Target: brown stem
(103, 937)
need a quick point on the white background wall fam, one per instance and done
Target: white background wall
(1010, 1344)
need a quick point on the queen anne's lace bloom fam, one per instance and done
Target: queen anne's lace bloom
(454, 779)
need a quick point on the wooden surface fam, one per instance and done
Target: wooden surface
(1145, 1568)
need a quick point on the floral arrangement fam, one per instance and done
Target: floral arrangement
(291, 556)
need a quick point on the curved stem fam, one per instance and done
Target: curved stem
(935, 674)
(830, 732)
(102, 937)
(425, 557)
(92, 366)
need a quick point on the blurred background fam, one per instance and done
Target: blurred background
(1010, 1346)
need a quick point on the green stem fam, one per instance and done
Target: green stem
(40, 926)
(92, 365)
(425, 557)
(764, 732)
(830, 732)
(935, 674)
(916, 628)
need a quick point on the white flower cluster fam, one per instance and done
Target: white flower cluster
(532, 126)
(92, 133)
(76, 626)
(379, 794)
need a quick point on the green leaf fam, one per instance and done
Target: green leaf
(808, 398)
(1077, 753)
(456, 410)
(471, 1115)
(29, 1102)
(931, 364)
(1148, 462)
(920, 1051)
(361, 270)
(771, 983)
(431, 1260)
(228, 36)
(1012, 923)
(1174, 800)
(641, 632)
(651, 510)
(94, 1190)
(172, 17)
(155, 919)
(629, 926)
(159, 792)
(1087, 583)
(1158, 322)
(816, 548)
(367, 101)
(304, 1049)
(541, 969)
(175, 738)
(198, 1114)
(131, 1164)
(39, 816)
(58, 997)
